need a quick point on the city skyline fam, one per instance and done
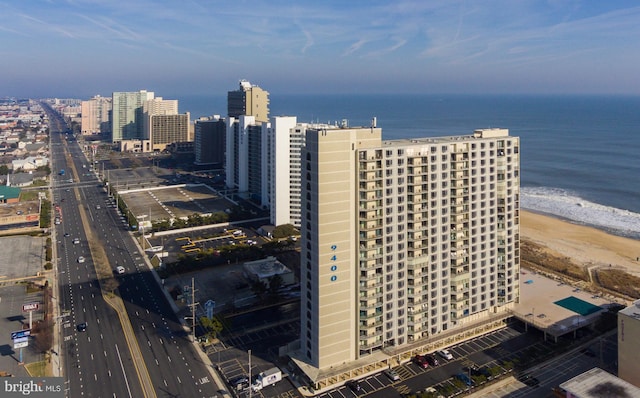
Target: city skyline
(83, 48)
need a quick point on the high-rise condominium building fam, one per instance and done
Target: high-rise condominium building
(249, 100)
(405, 239)
(243, 158)
(210, 144)
(127, 116)
(629, 343)
(154, 107)
(168, 129)
(95, 116)
(281, 181)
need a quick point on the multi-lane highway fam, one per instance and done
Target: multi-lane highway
(133, 345)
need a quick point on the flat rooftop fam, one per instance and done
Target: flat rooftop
(555, 307)
(596, 383)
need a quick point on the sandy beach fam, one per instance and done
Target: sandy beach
(585, 245)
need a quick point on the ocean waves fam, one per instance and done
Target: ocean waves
(569, 206)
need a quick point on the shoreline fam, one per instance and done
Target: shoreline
(585, 245)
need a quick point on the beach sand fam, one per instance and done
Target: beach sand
(584, 245)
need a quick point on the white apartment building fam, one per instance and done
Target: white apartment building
(243, 157)
(281, 176)
(405, 239)
(95, 115)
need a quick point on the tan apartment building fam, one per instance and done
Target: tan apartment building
(628, 344)
(95, 115)
(403, 240)
(249, 100)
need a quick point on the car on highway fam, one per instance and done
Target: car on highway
(81, 259)
(66, 234)
(392, 374)
(76, 241)
(421, 361)
(82, 327)
(97, 207)
(120, 269)
(445, 354)
(529, 380)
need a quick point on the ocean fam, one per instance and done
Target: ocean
(580, 155)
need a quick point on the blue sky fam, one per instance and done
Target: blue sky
(84, 47)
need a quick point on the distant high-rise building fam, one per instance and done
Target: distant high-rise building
(153, 107)
(243, 158)
(127, 116)
(96, 114)
(168, 129)
(404, 239)
(210, 144)
(282, 173)
(246, 145)
(249, 100)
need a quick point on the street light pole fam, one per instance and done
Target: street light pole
(250, 384)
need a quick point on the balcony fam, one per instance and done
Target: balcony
(462, 277)
(459, 192)
(371, 305)
(371, 225)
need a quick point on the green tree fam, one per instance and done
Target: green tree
(275, 283)
(4, 169)
(282, 231)
(212, 326)
(258, 288)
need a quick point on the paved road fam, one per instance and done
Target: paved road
(174, 366)
(96, 361)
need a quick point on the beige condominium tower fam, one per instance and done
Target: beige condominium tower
(403, 240)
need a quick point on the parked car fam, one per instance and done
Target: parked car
(354, 386)
(432, 360)
(392, 374)
(445, 354)
(476, 371)
(465, 379)
(239, 383)
(421, 361)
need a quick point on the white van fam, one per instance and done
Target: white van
(120, 269)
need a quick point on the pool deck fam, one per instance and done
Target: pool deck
(537, 304)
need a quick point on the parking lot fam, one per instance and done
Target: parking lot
(163, 203)
(510, 350)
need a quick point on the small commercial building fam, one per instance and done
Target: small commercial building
(596, 383)
(265, 269)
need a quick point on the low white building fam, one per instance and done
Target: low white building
(596, 383)
(265, 269)
(29, 163)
